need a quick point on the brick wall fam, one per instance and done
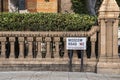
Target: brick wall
(42, 6)
(31, 5)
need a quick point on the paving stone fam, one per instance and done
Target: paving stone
(53, 75)
(77, 79)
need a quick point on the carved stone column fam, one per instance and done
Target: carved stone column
(57, 40)
(30, 40)
(12, 47)
(21, 47)
(39, 40)
(3, 40)
(108, 14)
(48, 53)
(108, 19)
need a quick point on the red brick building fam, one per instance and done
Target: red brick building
(36, 5)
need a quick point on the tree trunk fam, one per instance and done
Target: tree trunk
(91, 6)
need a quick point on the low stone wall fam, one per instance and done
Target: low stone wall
(44, 50)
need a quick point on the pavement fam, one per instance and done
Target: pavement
(54, 75)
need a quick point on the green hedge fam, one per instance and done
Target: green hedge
(45, 22)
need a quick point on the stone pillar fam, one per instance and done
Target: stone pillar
(21, 47)
(3, 40)
(48, 40)
(108, 19)
(39, 40)
(57, 40)
(30, 40)
(12, 47)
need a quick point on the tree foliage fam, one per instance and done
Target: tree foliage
(78, 6)
(118, 2)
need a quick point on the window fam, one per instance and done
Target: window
(21, 4)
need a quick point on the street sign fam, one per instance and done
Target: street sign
(76, 43)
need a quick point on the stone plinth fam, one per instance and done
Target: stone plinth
(108, 68)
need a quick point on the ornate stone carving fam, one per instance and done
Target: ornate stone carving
(12, 39)
(2, 39)
(38, 39)
(29, 39)
(56, 39)
(48, 39)
(21, 39)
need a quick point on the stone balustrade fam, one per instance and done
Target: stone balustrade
(20, 47)
(41, 42)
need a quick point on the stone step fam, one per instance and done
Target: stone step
(45, 67)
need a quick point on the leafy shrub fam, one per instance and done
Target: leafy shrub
(45, 22)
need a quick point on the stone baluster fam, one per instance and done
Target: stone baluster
(65, 50)
(39, 40)
(12, 47)
(2, 40)
(57, 40)
(93, 40)
(21, 47)
(30, 40)
(48, 53)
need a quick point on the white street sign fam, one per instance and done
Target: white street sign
(76, 43)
